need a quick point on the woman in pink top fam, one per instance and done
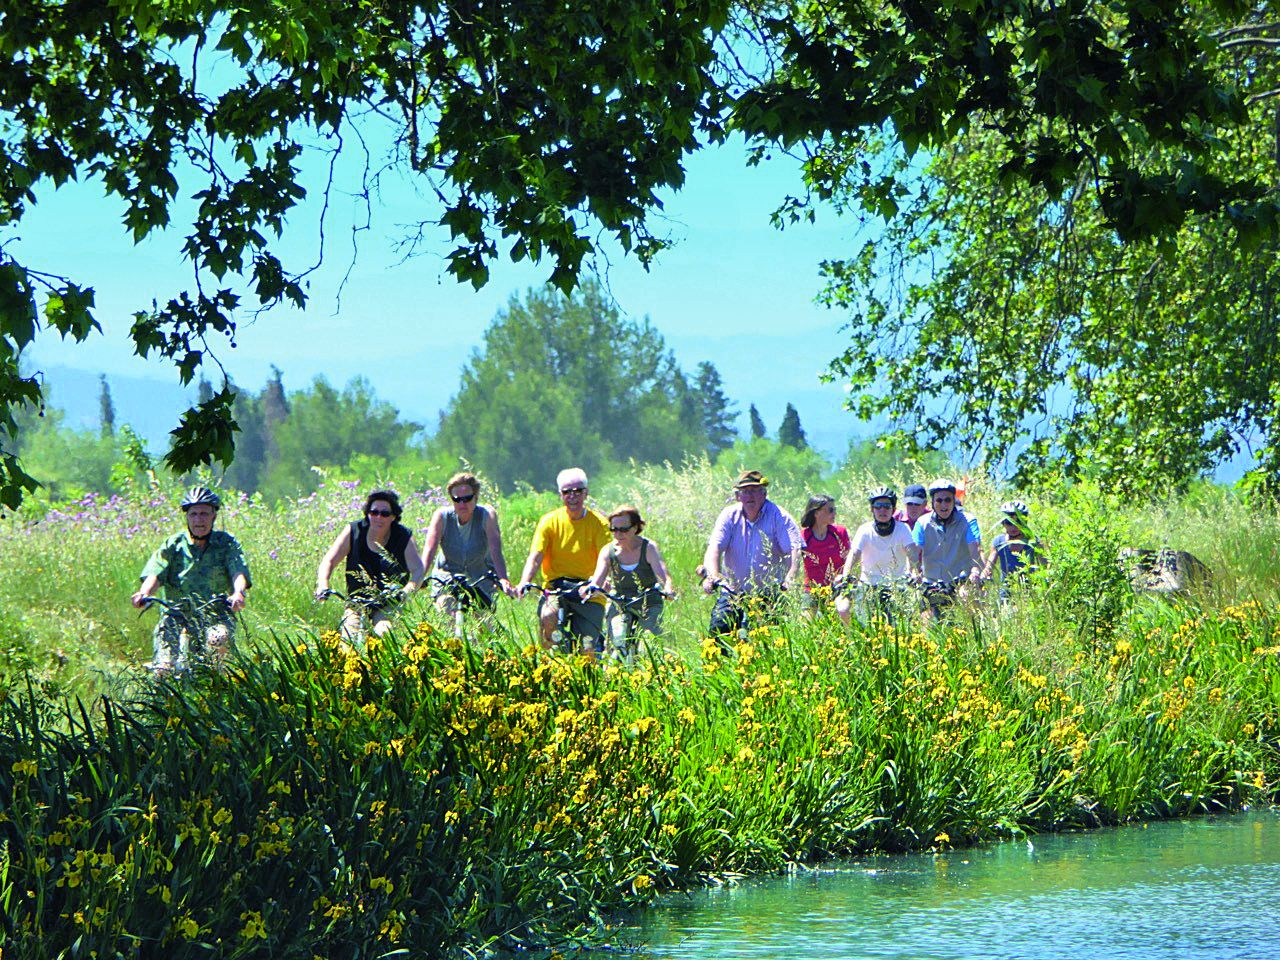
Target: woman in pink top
(825, 545)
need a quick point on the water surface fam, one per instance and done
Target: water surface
(1199, 889)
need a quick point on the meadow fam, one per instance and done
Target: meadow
(455, 799)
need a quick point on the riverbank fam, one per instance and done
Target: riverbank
(454, 800)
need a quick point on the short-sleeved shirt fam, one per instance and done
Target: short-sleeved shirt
(570, 547)
(824, 559)
(755, 553)
(944, 547)
(1015, 556)
(184, 570)
(883, 558)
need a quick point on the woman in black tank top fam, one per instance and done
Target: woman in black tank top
(380, 554)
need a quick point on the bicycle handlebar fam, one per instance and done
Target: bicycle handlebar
(630, 602)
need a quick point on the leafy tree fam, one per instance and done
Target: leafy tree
(564, 380)
(793, 473)
(894, 460)
(71, 462)
(533, 123)
(106, 409)
(790, 432)
(538, 128)
(1120, 101)
(718, 414)
(327, 427)
(275, 410)
(757, 424)
(1012, 320)
(204, 391)
(245, 472)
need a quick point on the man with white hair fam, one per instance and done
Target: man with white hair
(566, 543)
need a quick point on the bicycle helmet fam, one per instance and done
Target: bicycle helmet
(883, 493)
(942, 485)
(200, 496)
(1014, 508)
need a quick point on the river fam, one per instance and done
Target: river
(1204, 888)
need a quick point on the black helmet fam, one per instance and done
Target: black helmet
(883, 493)
(200, 496)
(1014, 508)
(942, 485)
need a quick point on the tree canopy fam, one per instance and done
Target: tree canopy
(993, 315)
(539, 127)
(567, 380)
(536, 126)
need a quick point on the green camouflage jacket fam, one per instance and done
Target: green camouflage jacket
(185, 571)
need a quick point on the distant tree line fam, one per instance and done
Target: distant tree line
(558, 380)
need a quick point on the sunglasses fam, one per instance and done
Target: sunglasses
(465, 498)
(619, 529)
(571, 491)
(380, 513)
(944, 499)
(882, 505)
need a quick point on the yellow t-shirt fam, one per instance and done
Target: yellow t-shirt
(570, 547)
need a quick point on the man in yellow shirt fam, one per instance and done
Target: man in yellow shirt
(566, 544)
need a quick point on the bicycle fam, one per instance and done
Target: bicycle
(366, 606)
(743, 604)
(938, 596)
(871, 600)
(632, 613)
(461, 595)
(562, 637)
(191, 632)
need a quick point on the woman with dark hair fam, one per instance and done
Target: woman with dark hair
(825, 545)
(380, 554)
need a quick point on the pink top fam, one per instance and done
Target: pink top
(824, 559)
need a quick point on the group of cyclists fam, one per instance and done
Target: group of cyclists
(601, 584)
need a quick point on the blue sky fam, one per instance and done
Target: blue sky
(733, 290)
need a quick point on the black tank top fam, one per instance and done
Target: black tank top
(369, 571)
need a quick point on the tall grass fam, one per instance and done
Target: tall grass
(448, 798)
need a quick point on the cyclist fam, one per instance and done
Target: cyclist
(825, 545)
(950, 549)
(636, 573)
(758, 543)
(914, 504)
(566, 545)
(1016, 555)
(469, 544)
(194, 567)
(883, 551)
(382, 564)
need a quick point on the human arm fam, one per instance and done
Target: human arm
(973, 537)
(336, 553)
(660, 570)
(417, 569)
(598, 577)
(791, 541)
(239, 592)
(975, 554)
(989, 566)
(494, 534)
(429, 547)
(711, 566)
(148, 589)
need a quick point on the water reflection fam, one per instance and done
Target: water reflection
(1200, 889)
